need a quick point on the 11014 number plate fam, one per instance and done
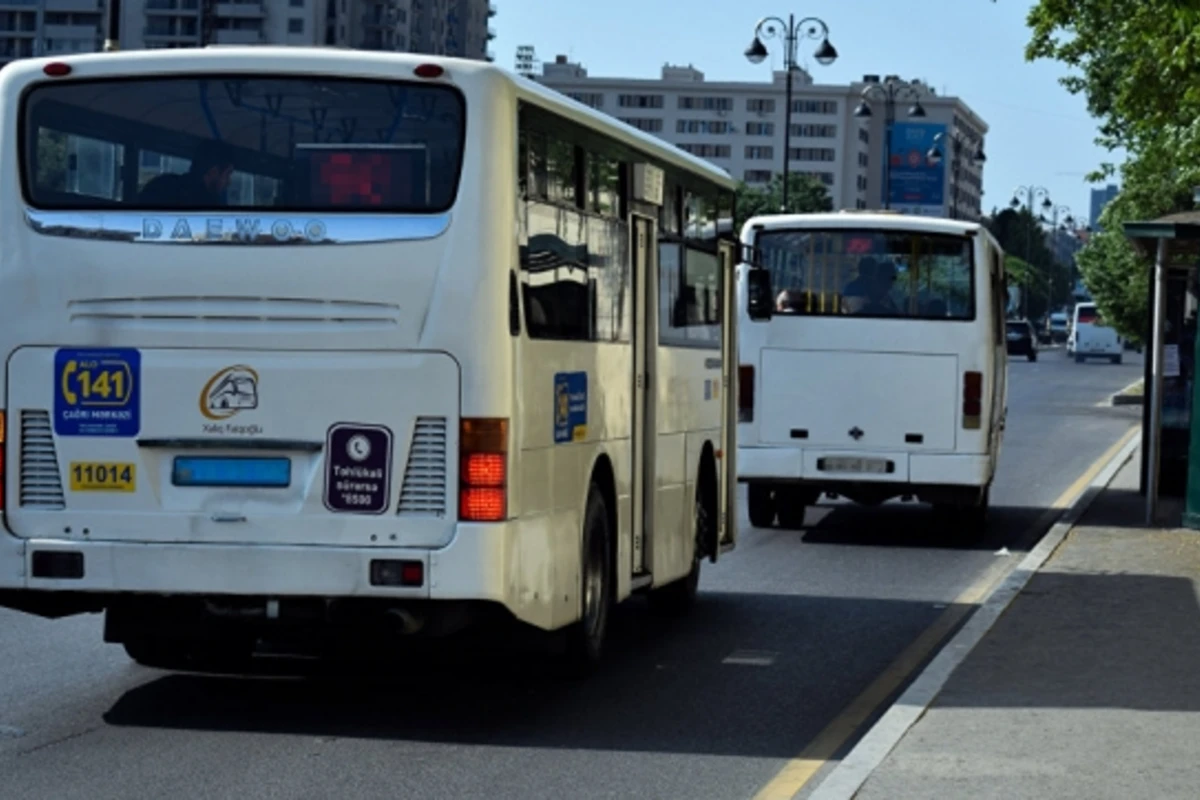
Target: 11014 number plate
(102, 476)
(868, 466)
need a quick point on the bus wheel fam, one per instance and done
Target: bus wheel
(969, 519)
(793, 505)
(679, 596)
(761, 502)
(585, 638)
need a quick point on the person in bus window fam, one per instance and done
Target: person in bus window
(881, 279)
(203, 185)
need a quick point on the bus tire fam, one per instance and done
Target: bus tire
(760, 502)
(678, 596)
(969, 519)
(793, 506)
(585, 638)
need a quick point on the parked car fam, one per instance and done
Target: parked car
(1022, 341)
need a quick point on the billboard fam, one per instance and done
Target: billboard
(917, 184)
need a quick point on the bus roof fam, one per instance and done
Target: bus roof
(869, 219)
(345, 62)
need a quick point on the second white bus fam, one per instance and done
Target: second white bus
(402, 341)
(873, 363)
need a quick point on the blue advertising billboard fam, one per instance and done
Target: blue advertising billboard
(915, 180)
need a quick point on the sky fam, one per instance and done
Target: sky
(1039, 133)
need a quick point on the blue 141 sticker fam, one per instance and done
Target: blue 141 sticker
(97, 392)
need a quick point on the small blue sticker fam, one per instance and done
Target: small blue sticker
(97, 392)
(570, 407)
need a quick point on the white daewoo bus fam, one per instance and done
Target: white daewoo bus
(873, 362)
(446, 342)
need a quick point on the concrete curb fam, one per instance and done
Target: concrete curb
(845, 780)
(1123, 398)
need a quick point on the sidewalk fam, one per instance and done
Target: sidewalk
(1088, 686)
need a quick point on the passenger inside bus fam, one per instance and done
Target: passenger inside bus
(870, 292)
(204, 183)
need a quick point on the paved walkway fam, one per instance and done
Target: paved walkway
(1087, 687)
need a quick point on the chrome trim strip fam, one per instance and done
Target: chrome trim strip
(237, 229)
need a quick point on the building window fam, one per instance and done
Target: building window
(760, 105)
(647, 124)
(706, 150)
(862, 183)
(640, 101)
(759, 152)
(707, 103)
(295, 26)
(863, 160)
(864, 135)
(593, 99)
(813, 154)
(760, 128)
(296, 3)
(715, 126)
(757, 176)
(815, 131)
(814, 107)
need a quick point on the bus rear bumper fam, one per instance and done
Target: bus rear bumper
(798, 465)
(474, 566)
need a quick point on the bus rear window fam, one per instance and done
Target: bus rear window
(1087, 315)
(243, 142)
(870, 273)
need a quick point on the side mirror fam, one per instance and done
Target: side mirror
(759, 303)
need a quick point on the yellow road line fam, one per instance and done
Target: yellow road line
(796, 774)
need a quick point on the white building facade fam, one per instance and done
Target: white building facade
(739, 126)
(440, 27)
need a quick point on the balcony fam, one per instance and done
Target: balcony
(491, 9)
(227, 36)
(251, 10)
(491, 33)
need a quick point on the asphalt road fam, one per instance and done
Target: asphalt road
(790, 628)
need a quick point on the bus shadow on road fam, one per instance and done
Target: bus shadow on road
(745, 674)
(914, 525)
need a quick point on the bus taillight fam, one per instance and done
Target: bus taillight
(972, 401)
(483, 470)
(745, 393)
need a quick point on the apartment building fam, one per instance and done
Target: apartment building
(438, 27)
(739, 126)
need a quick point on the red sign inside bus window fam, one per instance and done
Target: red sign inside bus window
(362, 177)
(859, 245)
(1087, 316)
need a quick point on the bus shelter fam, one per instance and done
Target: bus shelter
(1170, 437)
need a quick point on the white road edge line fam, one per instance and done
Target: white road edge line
(848, 777)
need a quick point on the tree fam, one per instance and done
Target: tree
(806, 194)
(1044, 281)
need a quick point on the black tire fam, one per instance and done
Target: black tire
(1116, 359)
(969, 519)
(792, 506)
(157, 653)
(1078, 359)
(761, 505)
(1033, 355)
(679, 596)
(585, 638)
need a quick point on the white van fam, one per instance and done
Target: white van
(872, 362)
(1091, 337)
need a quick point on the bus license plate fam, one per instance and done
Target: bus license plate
(103, 476)
(872, 466)
(232, 472)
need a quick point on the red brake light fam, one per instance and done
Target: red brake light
(57, 69)
(483, 470)
(429, 71)
(745, 393)
(972, 400)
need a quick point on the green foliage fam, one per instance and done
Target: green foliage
(1137, 62)
(806, 194)
(1029, 262)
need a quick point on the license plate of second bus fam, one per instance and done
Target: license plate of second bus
(874, 466)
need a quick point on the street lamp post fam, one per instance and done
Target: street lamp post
(1031, 193)
(889, 92)
(958, 141)
(791, 31)
(1068, 223)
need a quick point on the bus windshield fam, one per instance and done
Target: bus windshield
(869, 273)
(242, 142)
